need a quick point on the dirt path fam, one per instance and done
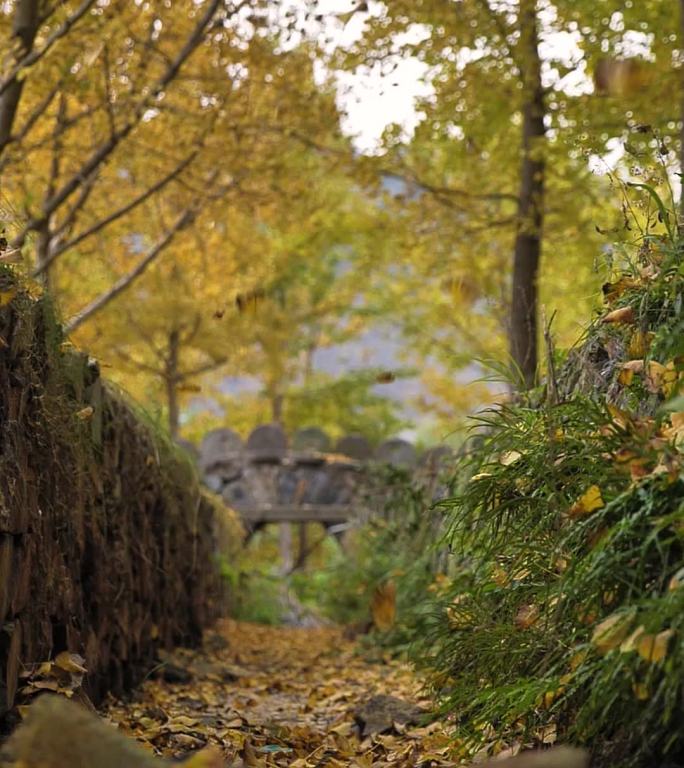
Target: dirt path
(279, 696)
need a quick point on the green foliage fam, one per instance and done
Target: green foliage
(256, 594)
(396, 546)
(560, 611)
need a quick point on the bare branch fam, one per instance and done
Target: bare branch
(35, 55)
(68, 220)
(137, 363)
(109, 102)
(183, 221)
(103, 152)
(24, 29)
(119, 213)
(411, 177)
(212, 365)
(32, 119)
(191, 44)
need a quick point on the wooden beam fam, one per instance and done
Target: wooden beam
(298, 513)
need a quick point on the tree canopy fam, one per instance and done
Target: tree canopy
(178, 176)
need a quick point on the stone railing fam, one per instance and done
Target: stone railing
(269, 478)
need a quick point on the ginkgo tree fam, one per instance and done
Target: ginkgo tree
(503, 150)
(266, 274)
(82, 84)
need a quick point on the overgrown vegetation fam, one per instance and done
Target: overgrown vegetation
(556, 607)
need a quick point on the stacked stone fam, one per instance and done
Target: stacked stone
(268, 471)
(106, 538)
(265, 472)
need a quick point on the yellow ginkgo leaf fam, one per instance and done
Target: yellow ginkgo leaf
(509, 457)
(655, 376)
(7, 296)
(85, 413)
(630, 643)
(624, 315)
(639, 344)
(610, 633)
(627, 371)
(587, 503)
(670, 379)
(625, 377)
(653, 648)
(675, 432)
(619, 417)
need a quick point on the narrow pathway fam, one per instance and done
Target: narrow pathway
(268, 696)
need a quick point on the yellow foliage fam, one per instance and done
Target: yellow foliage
(653, 648)
(610, 633)
(587, 503)
(384, 606)
(527, 616)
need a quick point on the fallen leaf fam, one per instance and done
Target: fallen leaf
(676, 581)
(624, 315)
(612, 291)
(549, 734)
(670, 379)
(618, 416)
(70, 662)
(640, 690)
(527, 616)
(509, 457)
(610, 633)
(7, 296)
(653, 648)
(639, 344)
(384, 606)
(627, 371)
(587, 503)
(655, 376)
(629, 644)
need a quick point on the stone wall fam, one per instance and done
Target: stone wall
(308, 471)
(107, 542)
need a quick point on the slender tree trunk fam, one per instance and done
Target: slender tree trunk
(303, 549)
(277, 408)
(43, 251)
(527, 252)
(24, 28)
(171, 380)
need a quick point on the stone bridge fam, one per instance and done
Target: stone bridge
(272, 479)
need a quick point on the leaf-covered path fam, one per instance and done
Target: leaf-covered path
(270, 696)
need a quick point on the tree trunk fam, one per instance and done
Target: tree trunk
(277, 408)
(171, 380)
(527, 252)
(43, 251)
(24, 28)
(286, 548)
